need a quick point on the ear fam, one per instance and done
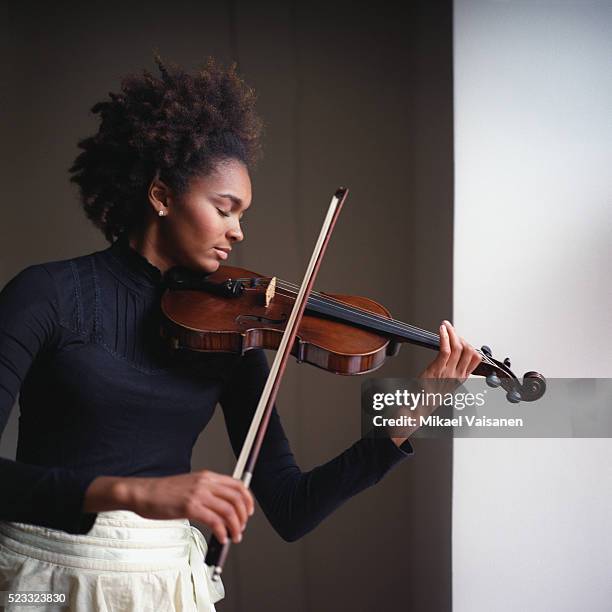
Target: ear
(159, 194)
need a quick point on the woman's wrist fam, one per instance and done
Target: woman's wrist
(107, 493)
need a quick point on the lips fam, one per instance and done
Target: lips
(222, 253)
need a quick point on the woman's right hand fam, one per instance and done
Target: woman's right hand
(218, 501)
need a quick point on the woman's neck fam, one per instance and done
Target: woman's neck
(147, 243)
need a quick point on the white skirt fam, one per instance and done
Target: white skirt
(126, 563)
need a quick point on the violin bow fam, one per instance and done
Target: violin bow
(217, 552)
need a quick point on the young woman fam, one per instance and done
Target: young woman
(98, 503)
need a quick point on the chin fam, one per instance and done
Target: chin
(206, 265)
(211, 265)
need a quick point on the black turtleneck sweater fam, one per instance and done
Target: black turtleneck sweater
(101, 395)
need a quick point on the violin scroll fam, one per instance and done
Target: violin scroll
(499, 374)
(534, 386)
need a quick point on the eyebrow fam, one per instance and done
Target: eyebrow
(236, 200)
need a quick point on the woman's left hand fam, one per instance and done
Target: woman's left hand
(455, 361)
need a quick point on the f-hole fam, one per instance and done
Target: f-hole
(246, 319)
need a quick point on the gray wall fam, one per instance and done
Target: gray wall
(351, 95)
(533, 136)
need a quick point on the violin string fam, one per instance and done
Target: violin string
(424, 334)
(367, 317)
(367, 314)
(384, 319)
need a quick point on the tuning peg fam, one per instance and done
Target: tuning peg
(486, 350)
(513, 396)
(493, 380)
(507, 362)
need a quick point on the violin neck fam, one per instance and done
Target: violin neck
(396, 331)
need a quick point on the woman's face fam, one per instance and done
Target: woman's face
(200, 227)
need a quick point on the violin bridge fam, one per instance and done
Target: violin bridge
(270, 290)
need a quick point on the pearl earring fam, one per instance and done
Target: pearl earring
(161, 213)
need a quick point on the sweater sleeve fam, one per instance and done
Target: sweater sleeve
(29, 326)
(295, 502)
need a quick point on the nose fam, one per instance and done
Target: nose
(235, 233)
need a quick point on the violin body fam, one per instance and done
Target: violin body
(203, 321)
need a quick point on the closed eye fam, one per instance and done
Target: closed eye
(223, 213)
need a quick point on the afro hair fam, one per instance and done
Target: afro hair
(175, 126)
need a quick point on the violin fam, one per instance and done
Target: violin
(234, 310)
